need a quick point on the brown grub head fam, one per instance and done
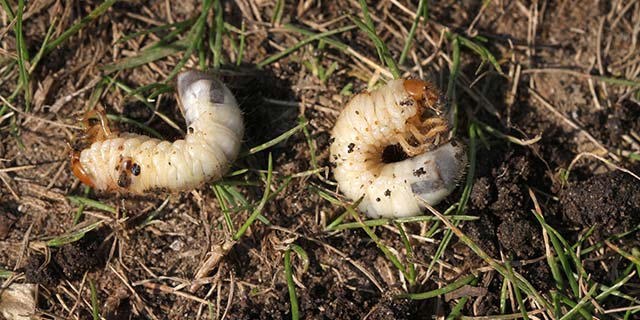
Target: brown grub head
(424, 92)
(96, 129)
(424, 130)
(416, 88)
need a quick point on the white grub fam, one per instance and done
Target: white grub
(404, 114)
(132, 163)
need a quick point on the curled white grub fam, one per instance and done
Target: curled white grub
(403, 115)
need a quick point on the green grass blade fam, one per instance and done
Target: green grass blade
(159, 88)
(134, 93)
(466, 193)
(302, 254)
(579, 306)
(8, 10)
(575, 259)
(5, 273)
(180, 26)
(15, 132)
(434, 293)
(291, 286)
(503, 295)
(394, 260)
(101, 9)
(614, 237)
(95, 312)
(123, 119)
(72, 236)
(335, 226)
(380, 45)
(78, 215)
(369, 23)
(407, 247)
(217, 45)
(210, 307)
(277, 13)
(337, 44)
(423, 6)
(47, 36)
(218, 191)
(92, 203)
(96, 94)
(195, 41)
(432, 218)
(312, 148)
(263, 202)
(455, 68)
(634, 259)
(277, 139)
(149, 55)
(557, 306)
(560, 251)
(300, 44)
(455, 312)
(583, 312)
(23, 56)
(243, 36)
(153, 214)
(516, 290)
(336, 223)
(365, 14)
(482, 51)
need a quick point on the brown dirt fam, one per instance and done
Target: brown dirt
(70, 261)
(136, 266)
(608, 201)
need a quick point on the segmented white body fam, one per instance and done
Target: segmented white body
(371, 122)
(212, 143)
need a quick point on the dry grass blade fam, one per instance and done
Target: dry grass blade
(571, 123)
(589, 154)
(215, 255)
(610, 80)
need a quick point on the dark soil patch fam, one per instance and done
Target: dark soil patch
(500, 196)
(70, 261)
(610, 202)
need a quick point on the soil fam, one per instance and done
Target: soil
(144, 267)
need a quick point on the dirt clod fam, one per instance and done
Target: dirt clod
(610, 201)
(36, 271)
(521, 237)
(78, 257)
(69, 262)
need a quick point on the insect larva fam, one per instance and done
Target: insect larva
(135, 163)
(401, 115)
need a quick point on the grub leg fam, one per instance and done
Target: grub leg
(100, 131)
(410, 150)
